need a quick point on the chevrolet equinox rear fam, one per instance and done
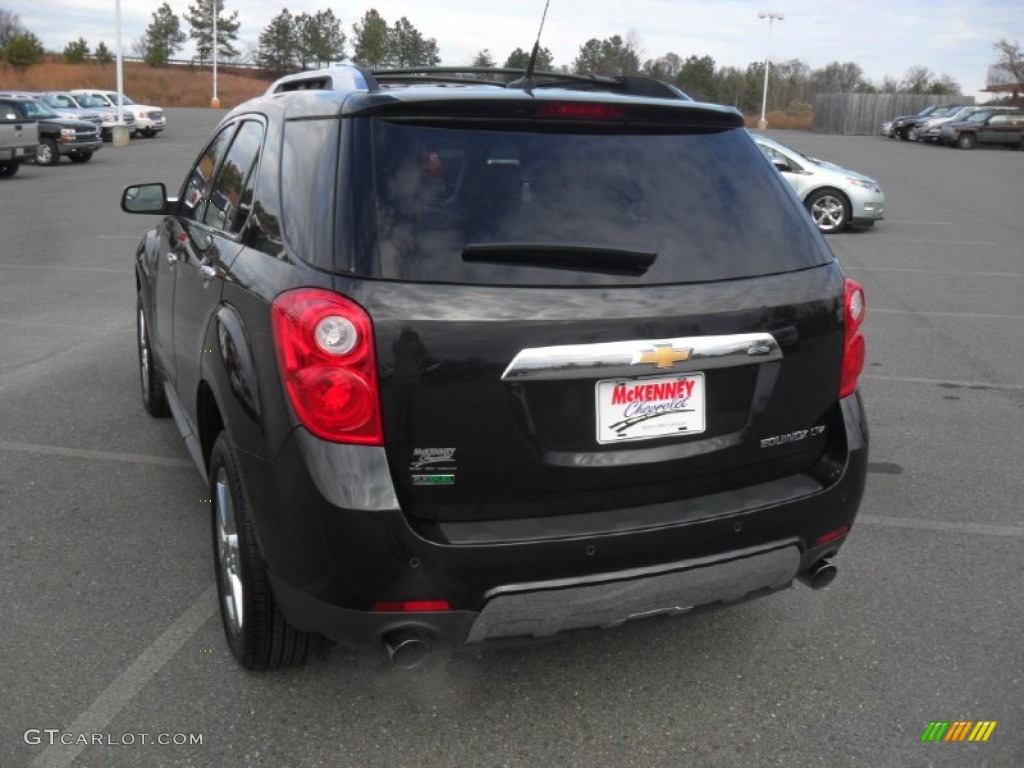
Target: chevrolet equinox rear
(465, 359)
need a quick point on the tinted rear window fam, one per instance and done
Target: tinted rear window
(707, 204)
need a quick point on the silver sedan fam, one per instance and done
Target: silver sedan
(836, 197)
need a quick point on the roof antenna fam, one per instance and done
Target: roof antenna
(526, 81)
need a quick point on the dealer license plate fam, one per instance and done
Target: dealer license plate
(642, 409)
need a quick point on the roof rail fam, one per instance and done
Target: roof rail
(504, 77)
(346, 77)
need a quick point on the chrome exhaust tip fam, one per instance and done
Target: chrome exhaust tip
(819, 575)
(407, 648)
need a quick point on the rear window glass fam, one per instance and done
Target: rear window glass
(707, 204)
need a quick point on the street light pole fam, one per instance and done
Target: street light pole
(771, 16)
(215, 102)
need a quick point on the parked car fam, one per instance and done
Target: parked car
(835, 196)
(58, 136)
(930, 130)
(904, 126)
(985, 128)
(108, 115)
(19, 136)
(461, 364)
(886, 129)
(149, 121)
(62, 109)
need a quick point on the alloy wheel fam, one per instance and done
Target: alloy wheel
(229, 562)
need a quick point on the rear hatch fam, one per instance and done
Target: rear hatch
(587, 309)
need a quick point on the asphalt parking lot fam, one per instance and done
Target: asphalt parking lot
(110, 631)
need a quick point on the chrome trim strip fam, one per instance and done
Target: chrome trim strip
(625, 358)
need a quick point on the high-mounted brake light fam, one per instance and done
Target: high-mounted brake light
(325, 354)
(582, 111)
(853, 342)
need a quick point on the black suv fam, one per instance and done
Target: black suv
(470, 359)
(58, 136)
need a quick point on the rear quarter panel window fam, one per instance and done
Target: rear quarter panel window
(309, 174)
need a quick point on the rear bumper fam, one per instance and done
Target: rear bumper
(329, 563)
(17, 154)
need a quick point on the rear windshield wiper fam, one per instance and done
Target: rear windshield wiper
(581, 258)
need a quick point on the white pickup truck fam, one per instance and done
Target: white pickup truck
(18, 138)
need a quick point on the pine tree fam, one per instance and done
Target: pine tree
(103, 54)
(519, 58)
(371, 40)
(23, 50)
(200, 21)
(277, 49)
(76, 52)
(164, 36)
(408, 47)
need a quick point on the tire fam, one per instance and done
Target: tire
(966, 141)
(904, 134)
(148, 134)
(154, 399)
(912, 134)
(256, 631)
(80, 157)
(9, 169)
(830, 210)
(47, 152)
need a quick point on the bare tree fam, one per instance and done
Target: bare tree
(10, 27)
(140, 46)
(1010, 59)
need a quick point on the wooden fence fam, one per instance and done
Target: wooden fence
(862, 114)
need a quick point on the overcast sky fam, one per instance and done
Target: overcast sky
(884, 38)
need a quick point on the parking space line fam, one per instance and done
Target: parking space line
(89, 330)
(60, 268)
(127, 684)
(982, 529)
(948, 383)
(852, 267)
(916, 221)
(941, 242)
(973, 315)
(82, 453)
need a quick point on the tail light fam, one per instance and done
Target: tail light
(853, 342)
(326, 357)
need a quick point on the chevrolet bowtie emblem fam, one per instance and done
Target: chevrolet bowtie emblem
(664, 356)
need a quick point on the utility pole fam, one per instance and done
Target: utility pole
(771, 16)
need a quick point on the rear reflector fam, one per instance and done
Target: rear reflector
(411, 606)
(582, 111)
(838, 533)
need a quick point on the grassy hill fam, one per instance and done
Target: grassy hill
(165, 87)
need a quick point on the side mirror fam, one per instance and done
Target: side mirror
(145, 198)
